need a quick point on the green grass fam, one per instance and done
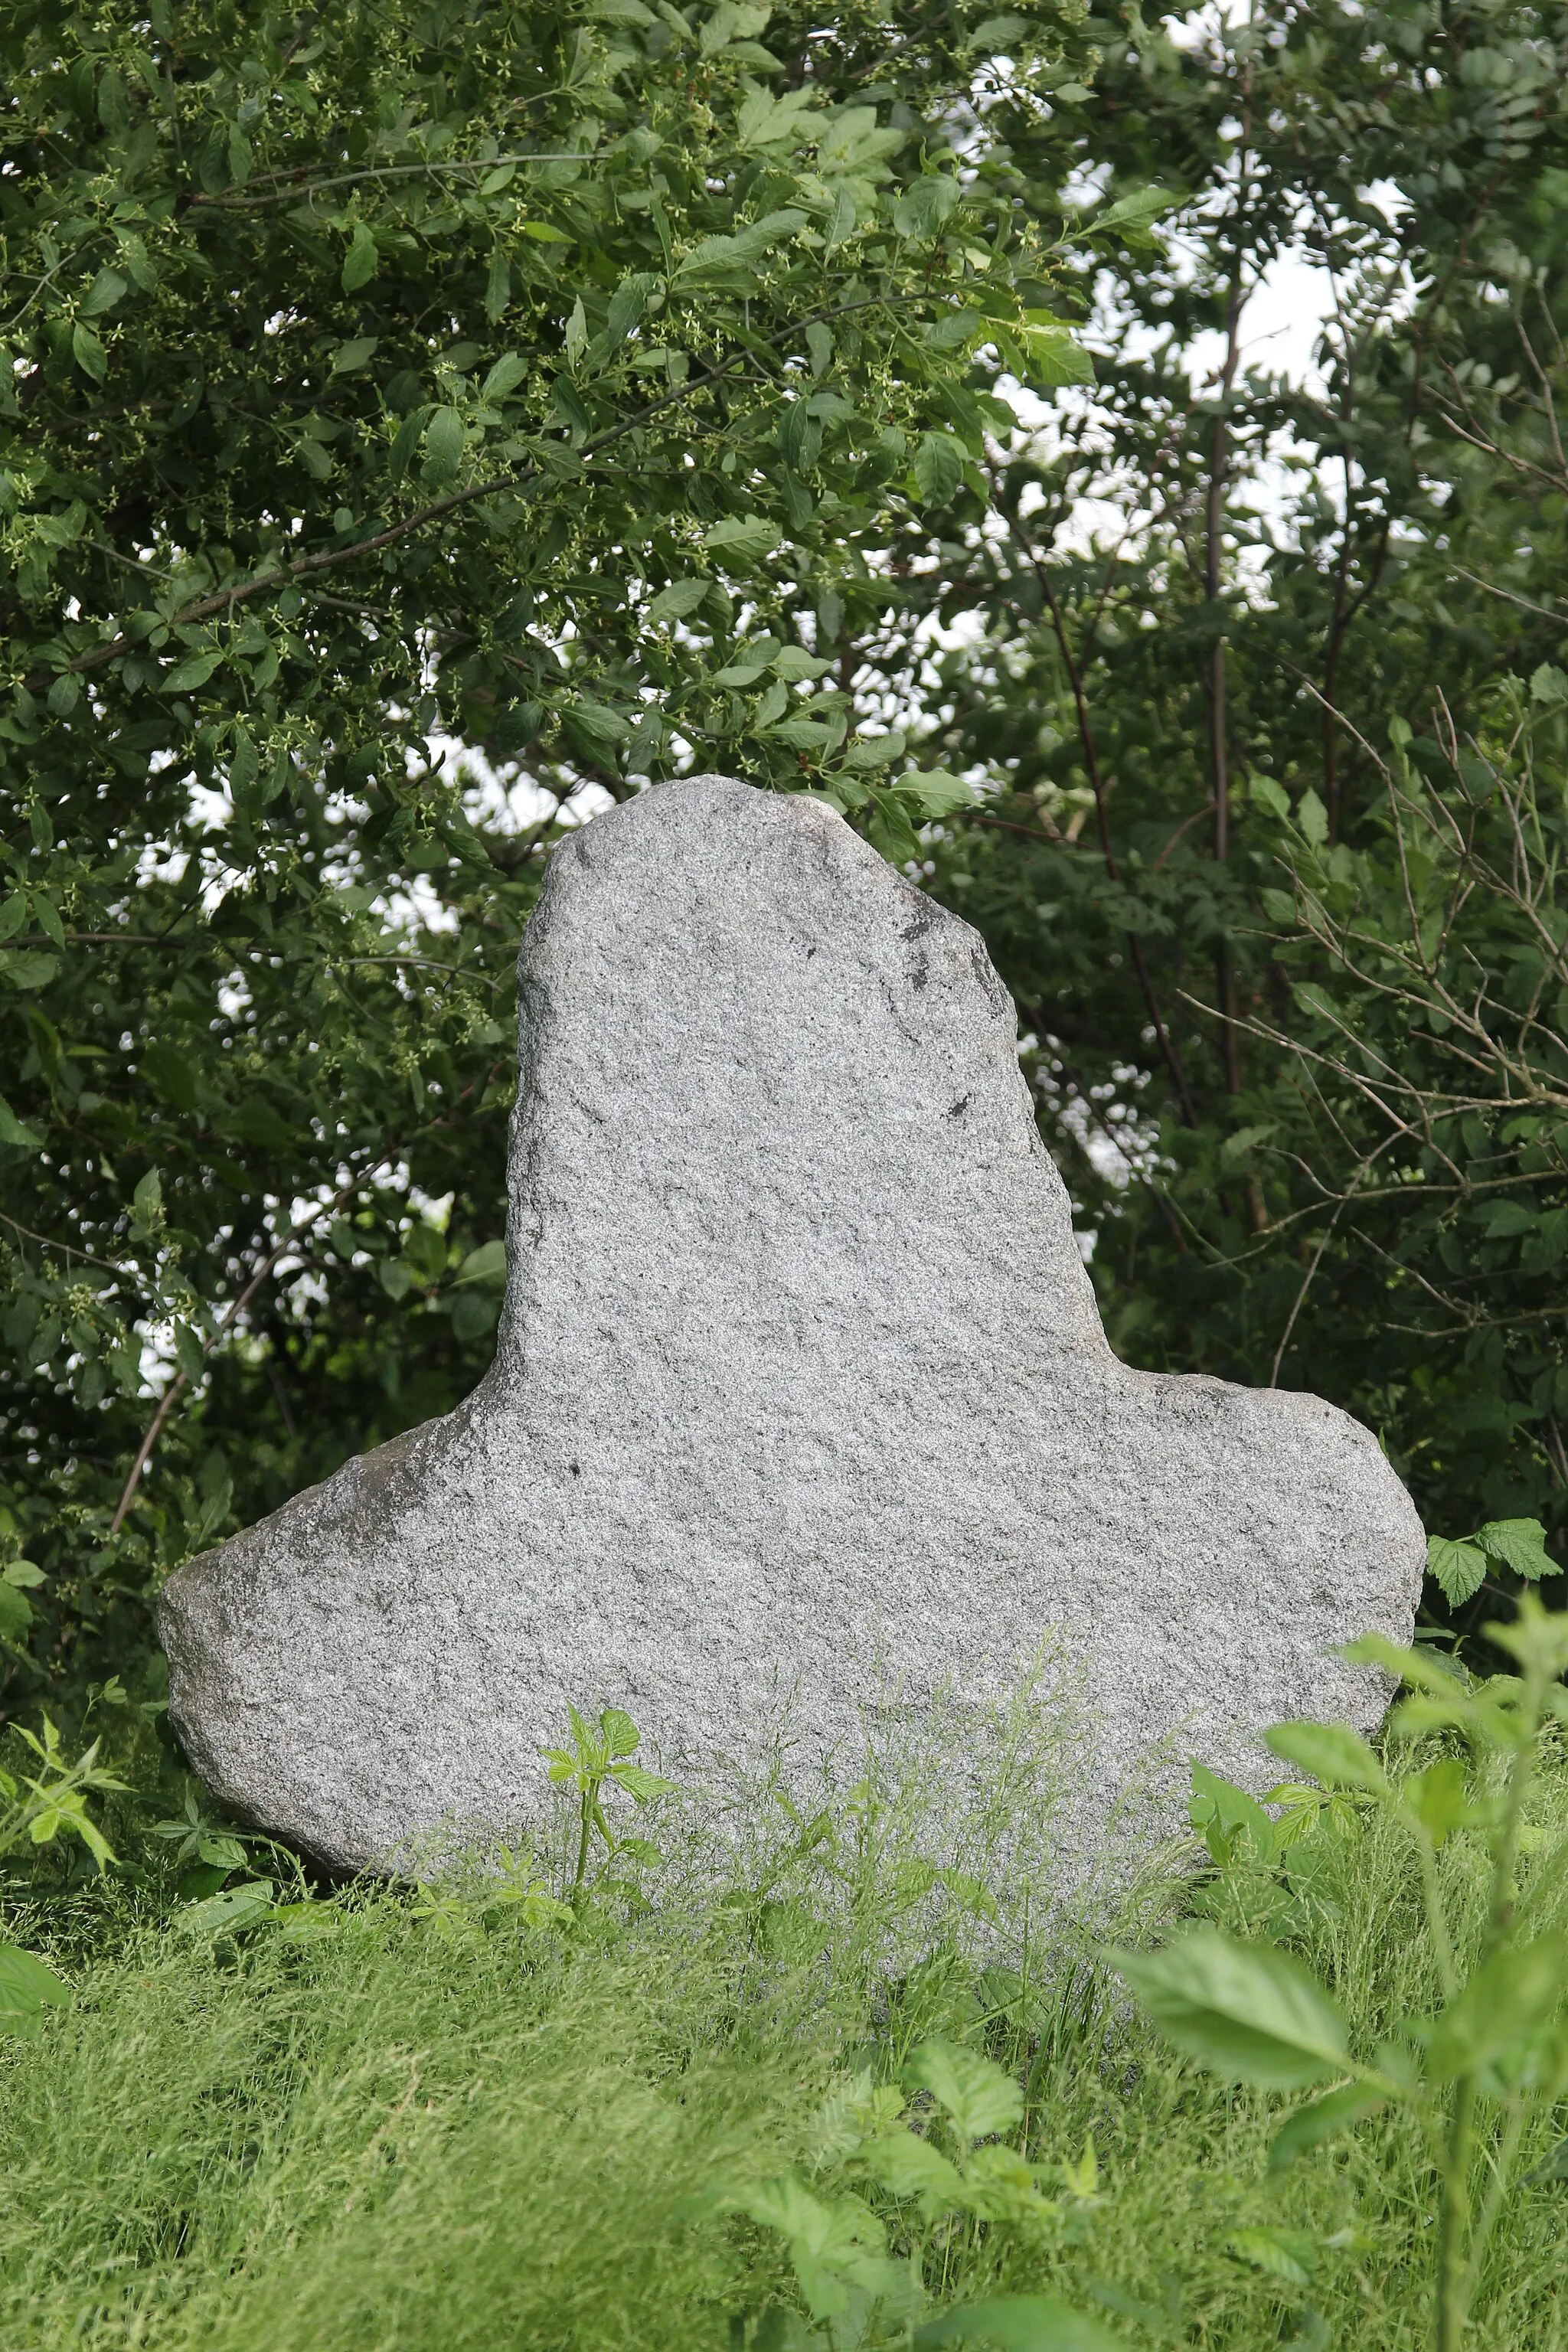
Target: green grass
(359, 2126)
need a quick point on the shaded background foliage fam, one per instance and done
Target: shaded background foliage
(422, 423)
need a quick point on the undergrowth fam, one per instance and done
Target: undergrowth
(479, 2115)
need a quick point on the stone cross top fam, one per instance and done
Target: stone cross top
(799, 1389)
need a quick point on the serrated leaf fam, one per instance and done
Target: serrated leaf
(939, 466)
(1460, 1569)
(935, 793)
(621, 1734)
(908, 2167)
(1438, 1798)
(486, 1263)
(1312, 819)
(1248, 2012)
(977, 2095)
(1288, 2254)
(28, 967)
(638, 1784)
(1052, 352)
(1519, 1544)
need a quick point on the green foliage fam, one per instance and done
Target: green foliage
(467, 2114)
(417, 423)
(599, 1759)
(1493, 2061)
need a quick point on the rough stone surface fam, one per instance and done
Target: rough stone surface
(800, 1391)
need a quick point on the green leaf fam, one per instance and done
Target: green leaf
(1458, 1569)
(89, 352)
(353, 355)
(1288, 2254)
(1052, 353)
(103, 293)
(486, 1263)
(1020, 2323)
(497, 286)
(27, 1989)
(1223, 1815)
(1519, 1544)
(888, 828)
(16, 1613)
(360, 262)
(28, 967)
(172, 1072)
(1312, 819)
(194, 671)
(1248, 2011)
(745, 542)
(934, 792)
(507, 373)
(681, 597)
(638, 1784)
(1322, 2119)
(1134, 216)
(977, 2095)
(1500, 2007)
(443, 442)
(1333, 1754)
(939, 466)
(924, 208)
(13, 1132)
(621, 1734)
(237, 1907)
(907, 2167)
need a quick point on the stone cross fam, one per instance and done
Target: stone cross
(800, 1396)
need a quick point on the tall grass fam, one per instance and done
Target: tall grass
(384, 2120)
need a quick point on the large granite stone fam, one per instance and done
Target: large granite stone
(800, 1394)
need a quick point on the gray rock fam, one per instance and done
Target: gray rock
(800, 1394)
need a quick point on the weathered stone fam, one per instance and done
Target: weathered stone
(800, 1392)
